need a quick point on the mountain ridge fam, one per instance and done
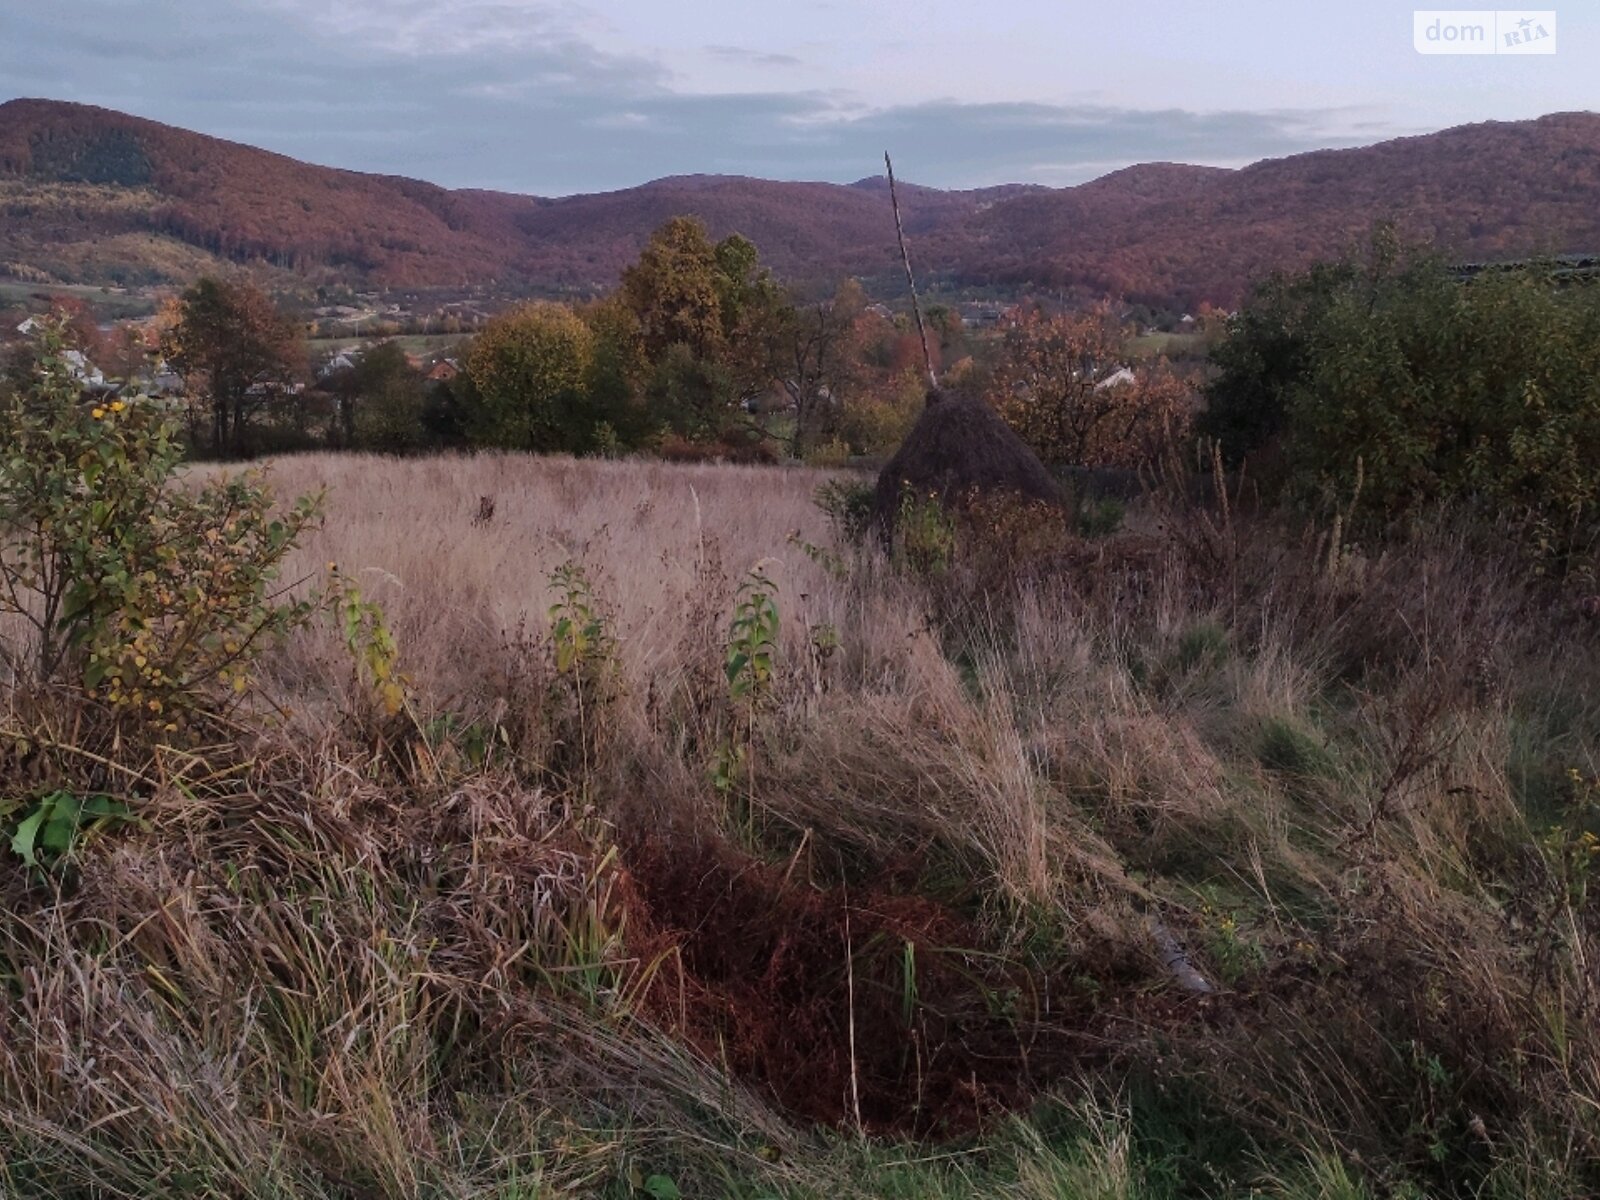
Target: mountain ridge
(91, 195)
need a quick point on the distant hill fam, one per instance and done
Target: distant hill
(1494, 190)
(94, 196)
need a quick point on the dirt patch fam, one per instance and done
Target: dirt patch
(838, 999)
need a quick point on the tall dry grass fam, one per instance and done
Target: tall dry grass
(652, 536)
(341, 961)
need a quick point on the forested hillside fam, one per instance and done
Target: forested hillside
(96, 196)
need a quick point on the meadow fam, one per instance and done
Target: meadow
(1170, 345)
(411, 343)
(111, 303)
(710, 851)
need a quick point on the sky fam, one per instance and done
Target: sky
(553, 97)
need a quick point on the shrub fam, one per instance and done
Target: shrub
(1442, 390)
(146, 594)
(831, 454)
(878, 421)
(848, 503)
(750, 657)
(1002, 533)
(1426, 389)
(924, 534)
(1286, 748)
(530, 369)
(586, 679)
(1100, 518)
(1265, 355)
(1053, 387)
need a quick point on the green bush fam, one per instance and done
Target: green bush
(1442, 390)
(1099, 518)
(924, 534)
(848, 503)
(150, 596)
(1396, 385)
(1266, 355)
(529, 369)
(1286, 748)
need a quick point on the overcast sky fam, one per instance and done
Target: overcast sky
(586, 95)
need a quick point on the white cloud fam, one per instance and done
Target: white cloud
(562, 96)
(430, 27)
(623, 120)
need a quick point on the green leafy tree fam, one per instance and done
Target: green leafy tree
(812, 355)
(692, 396)
(384, 405)
(531, 369)
(675, 291)
(705, 313)
(451, 411)
(1391, 385)
(618, 373)
(752, 306)
(1265, 355)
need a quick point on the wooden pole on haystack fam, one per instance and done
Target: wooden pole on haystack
(959, 447)
(911, 279)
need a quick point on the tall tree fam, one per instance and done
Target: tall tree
(235, 351)
(382, 404)
(705, 314)
(618, 372)
(811, 353)
(531, 369)
(675, 291)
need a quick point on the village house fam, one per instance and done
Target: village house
(84, 372)
(1118, 378)
(344, 360)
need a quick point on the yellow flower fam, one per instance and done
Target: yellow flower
(117, 406)
(98, 413)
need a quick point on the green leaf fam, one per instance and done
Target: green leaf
(22, 842)
(60, 831)
(104, 806)
(661, 1187)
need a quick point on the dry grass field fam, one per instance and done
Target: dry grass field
(1202, 857)
(652, 537)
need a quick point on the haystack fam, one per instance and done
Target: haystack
(960, 447)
